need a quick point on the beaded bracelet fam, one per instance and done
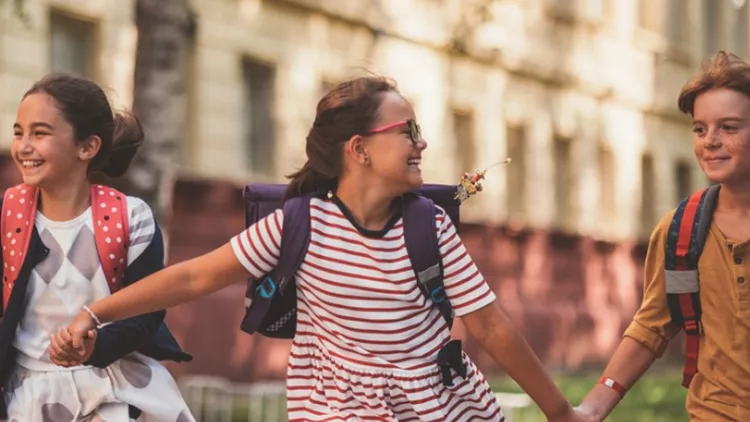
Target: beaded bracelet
(93, 315)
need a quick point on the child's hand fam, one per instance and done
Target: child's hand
(62, 352)
(82, 327)
(585, 414)
(574, 415)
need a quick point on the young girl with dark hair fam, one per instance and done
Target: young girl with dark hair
(64, 132)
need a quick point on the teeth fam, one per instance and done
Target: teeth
(415, 161)
(31, 163)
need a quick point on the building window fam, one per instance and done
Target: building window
(259, 117)
(712, 26)
(741, 31)
(564, 181)
(72, 45)
(515, 182)
(189, 148)
(607, 173)
(666, 17)
(648, 195)
(683, 176)
(678, 20)
(463, 139)
(562, 8)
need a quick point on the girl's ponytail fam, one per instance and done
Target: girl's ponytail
(307, 180)
(126, 139)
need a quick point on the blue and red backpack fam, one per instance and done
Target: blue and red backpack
(685, 240)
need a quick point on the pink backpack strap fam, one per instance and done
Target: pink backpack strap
(16, 225)
(109, 210)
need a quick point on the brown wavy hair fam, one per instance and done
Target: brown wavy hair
(349, 109)
(724, 70)
(84, 106)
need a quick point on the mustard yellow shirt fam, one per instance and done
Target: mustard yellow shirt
(721, 389)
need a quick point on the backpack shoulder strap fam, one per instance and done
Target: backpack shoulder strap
(684, 246)
(16, 225)
(705, 217)
(689, 228)
(295, 239)
(420, 236)
(109, 209)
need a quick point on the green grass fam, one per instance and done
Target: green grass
(657, 397)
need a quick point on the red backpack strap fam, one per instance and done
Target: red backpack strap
(16, 225)
(109, 209)
(685, 240)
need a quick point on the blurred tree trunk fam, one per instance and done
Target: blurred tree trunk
(166, 30)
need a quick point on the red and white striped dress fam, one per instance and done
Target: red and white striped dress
(367, 340)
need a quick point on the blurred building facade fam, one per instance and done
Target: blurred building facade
(580, 93)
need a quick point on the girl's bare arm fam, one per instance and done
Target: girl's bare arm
(497, 335)
(171, 286)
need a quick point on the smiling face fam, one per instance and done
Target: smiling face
(721, 127)
(395, 144)
(44, 146)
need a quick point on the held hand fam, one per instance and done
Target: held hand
(574, 415)
(80, 329)
(58, 351)
(62, 353)
(585, 414)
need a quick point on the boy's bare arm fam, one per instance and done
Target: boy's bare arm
(495, 332)
(647, 336)
(630, 361)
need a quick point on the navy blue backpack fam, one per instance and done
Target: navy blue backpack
(272, 309)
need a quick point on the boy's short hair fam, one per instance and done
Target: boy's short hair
(724, 70)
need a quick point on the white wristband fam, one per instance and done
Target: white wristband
(93, 316)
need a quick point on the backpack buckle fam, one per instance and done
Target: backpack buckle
(691, 327)
(451, 357)
(282, 284)
(266, 288)
(423, 277)
(427, 279)
(438, 295)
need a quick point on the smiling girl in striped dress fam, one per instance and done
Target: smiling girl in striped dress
(367, 340)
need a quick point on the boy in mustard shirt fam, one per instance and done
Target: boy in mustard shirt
(718, 99)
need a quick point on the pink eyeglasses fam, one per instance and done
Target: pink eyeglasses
(415, 133)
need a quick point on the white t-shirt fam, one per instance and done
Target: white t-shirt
(68, 278)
